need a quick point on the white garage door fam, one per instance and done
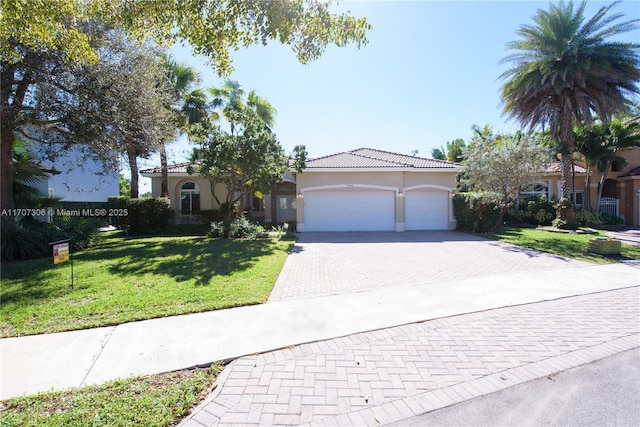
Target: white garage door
(349, 211)
(426, 210)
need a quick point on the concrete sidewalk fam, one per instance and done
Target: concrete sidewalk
(70, 359)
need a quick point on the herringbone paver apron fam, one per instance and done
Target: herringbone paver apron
(392, 374)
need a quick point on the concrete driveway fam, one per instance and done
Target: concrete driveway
(339, 263)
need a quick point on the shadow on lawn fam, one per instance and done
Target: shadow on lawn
(185, 259)
(550, 244)
(181, 259)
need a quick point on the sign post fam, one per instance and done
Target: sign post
(62, 253)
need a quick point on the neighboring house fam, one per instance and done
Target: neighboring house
(359, 190)
(75, 179)
(551, 183)
(621, 189)
(620, 192)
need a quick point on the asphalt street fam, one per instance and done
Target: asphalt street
(602, 393)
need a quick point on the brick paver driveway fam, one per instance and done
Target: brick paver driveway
(384, 376)
(338, 263)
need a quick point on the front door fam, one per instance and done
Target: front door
(285, 208)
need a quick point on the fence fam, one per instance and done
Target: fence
(610, 206)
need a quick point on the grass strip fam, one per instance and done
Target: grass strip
(153, 400)
(568, 245)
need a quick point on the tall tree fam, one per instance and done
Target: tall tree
(453, 152)
(504, 167)
(127, 85)
(439, 153)
(565, 72)
(249, 160)
(188, 105)
(231, 105)
(40, 39)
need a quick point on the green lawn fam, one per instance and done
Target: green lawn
(154, 400)
(565, 244)
(125, 280)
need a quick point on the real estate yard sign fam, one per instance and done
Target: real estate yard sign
(62, 253)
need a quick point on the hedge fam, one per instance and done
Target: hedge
(475, 212)
(140, 216)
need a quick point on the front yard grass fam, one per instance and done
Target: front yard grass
(125, 280)
(569, 245)
(154, 400)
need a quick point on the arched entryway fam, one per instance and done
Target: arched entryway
(610, 188)
(189, 198)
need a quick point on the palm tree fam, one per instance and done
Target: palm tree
(263, 108)
(188, 106)
(564, 73)
(27, 174)
(619, 137)
(592, 145)
(230, 97)
(231, 103)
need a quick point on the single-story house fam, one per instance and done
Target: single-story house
(373, 190)
(358, 190)
(368, 190)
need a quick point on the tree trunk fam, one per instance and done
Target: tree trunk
(7, 199)
(212, 188)
(133, 165)
(586, 194)
(164, 183)
(601, 185)
(13, 94)
(499, 222)
(567, 167)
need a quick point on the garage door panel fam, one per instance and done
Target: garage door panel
(349, 211)
(427, 210)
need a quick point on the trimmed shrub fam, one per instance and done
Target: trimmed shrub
(611, 219)
(241, 227)
(141, 216)
(238, 228)
(218, 229)
(585, 218)
(533, 210)
(476, 212)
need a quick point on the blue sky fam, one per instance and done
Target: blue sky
(429, 72)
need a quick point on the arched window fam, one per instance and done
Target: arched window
(189, 198)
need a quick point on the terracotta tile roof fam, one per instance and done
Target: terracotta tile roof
(633, 172)
(177, 168)
(370, 158)
(556, 167)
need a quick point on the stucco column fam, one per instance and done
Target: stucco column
(300, 211)
(400, 219)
